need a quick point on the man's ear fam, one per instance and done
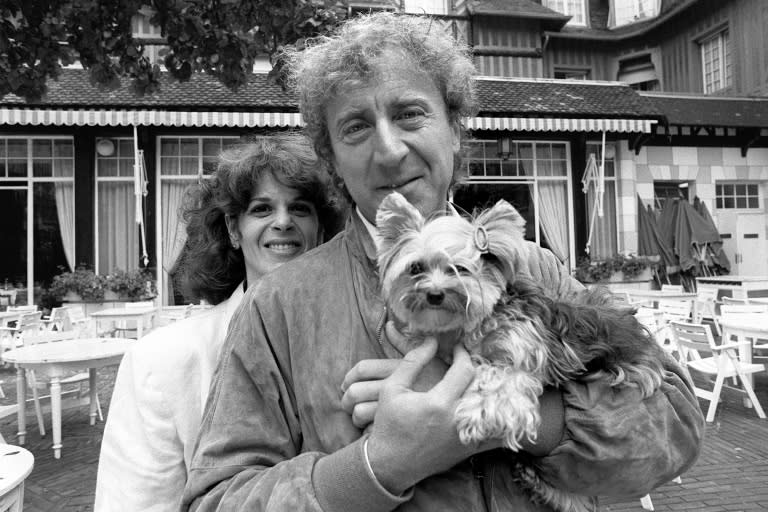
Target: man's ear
(395, 218)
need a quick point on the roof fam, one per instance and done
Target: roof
(551, 19)
(563, 98)
(201, 92)
(525, 8)
(700, 110)
(599, 13)
(498, 97)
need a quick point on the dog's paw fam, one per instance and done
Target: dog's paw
(501, 403)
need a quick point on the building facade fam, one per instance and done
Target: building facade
(644, 87)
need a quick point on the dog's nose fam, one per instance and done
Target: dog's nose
(435, 298)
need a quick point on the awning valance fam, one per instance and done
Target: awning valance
(539, 124)
(85, 117)
(102, 117)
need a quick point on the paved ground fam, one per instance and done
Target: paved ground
(731, 474)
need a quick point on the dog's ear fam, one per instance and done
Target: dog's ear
(396, 217)
(505, 231)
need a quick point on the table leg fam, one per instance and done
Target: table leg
(21, 400)
(56, 416)
(92, 394)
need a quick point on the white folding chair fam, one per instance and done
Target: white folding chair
(646, 501)
(705, 308)
(694, 339)
(672, 288)
(734, 301)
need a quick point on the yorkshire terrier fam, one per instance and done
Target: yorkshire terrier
(455, 274)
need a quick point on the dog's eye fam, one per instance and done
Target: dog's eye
(416, 268)
(461, 269)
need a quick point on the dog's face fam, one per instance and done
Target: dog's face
(444, 274)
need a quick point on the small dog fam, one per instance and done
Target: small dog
(454, 274)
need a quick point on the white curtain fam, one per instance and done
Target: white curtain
(174, 229)
(603, 242)
(65, 210)
(553, 217)
(118, 232)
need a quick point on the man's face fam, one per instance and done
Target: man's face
(393, 134)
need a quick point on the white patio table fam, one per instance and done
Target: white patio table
(57, 360)
(16, 464)
(751, 326)
(142, 316)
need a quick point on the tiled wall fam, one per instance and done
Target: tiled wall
(703, 166)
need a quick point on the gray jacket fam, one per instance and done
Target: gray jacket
(274, 435)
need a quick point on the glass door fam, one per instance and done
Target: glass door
(14, 256)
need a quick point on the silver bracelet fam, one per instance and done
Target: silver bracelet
(367, 460)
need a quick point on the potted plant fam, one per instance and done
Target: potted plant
(617, 269)
(80, 285)
(130, 285)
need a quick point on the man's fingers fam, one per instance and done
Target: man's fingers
(458, 377)
(358, 392)
(363, 414)
(369, 369)
(412, 364)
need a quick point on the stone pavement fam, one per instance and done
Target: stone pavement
(731, 474)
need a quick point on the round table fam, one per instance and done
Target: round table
(15, 465)
(60, 359)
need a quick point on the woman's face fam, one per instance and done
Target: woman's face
(393, 134)
(277, 226)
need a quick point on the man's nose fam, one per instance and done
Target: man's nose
(389, 147)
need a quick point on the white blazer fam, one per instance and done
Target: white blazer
(155, 412)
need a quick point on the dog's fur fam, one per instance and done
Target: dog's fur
(455, 274)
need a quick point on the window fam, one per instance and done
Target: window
(117, 233)
(639, 73)
(664, 190)
(37, 211)
(575, 8)
(533, 177)
(572, 74)
(149, 35)
(183, 160)
(716, 62)
(603, 239)
(737, 196)
(624, 12)
(426, 6)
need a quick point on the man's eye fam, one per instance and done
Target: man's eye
(411, 114)
(353, 129)
(416, 268)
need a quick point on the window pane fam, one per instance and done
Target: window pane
(741, 190)
(169, 147)
(169, 166)
(728, 202)
(17, 148)
(719, 202)
(741, 202)
(17, 168)
(118, 234)
(49, 253)
(752, 190)
(728, 190)
(42, 148)
(42, 168)
(753, 202)
(63, 148)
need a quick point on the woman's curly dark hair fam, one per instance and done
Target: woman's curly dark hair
(212, 268)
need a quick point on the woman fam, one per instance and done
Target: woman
(266, 204)
(383, 99)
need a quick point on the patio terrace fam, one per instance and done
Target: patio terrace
(730, 475)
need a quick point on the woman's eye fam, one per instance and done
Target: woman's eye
(260, 210)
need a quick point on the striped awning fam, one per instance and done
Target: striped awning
(87, 117)
(101, 117)
(539, 124)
